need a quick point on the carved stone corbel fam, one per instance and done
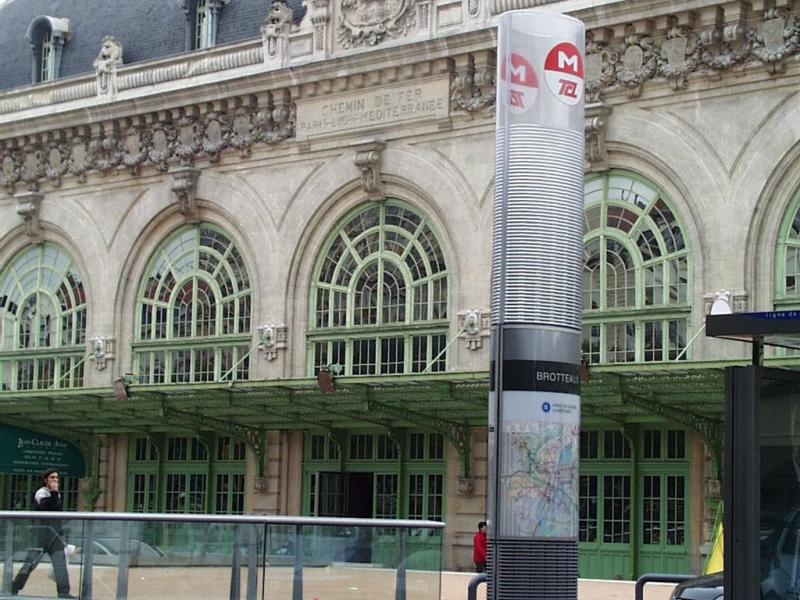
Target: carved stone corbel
(101, 350)
(475, 325)
(273, 338)
(368, 161)
(595, 124)
(28, 204)
(184, 186)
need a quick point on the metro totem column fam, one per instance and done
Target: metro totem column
(534, 406)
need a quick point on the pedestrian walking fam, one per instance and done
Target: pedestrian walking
(479, 548)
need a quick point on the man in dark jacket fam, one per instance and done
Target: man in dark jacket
(47, 498)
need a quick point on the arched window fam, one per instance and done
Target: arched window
(635, 272)
(379, 297)
(47, 36)
(194, 310)
(202, 17)
(787, 259)
(42, 321)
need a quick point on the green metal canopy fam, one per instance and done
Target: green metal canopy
(451, 403)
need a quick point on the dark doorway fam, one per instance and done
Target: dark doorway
(359, 495)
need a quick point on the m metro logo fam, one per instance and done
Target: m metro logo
(563, 71)
(522, 86)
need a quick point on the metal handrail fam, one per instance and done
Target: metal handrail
(472, 586)
(298, 523)
(657, 578)
(251, 519)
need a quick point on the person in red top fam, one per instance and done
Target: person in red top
(479, 548)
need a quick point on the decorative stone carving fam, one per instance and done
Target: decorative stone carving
(33, 165)
(216, 134)
(105, 152)
(276, 122)
(241, 130)
(778, 39)
(101, 350)
(273, 338)
(28, 204)
(681, 55)
(184, 186)
(473, 87)
(595, 121)
(368, 161)
(465, 486)
(474, 325)
(162, 142)
(639, 62)
(188, 139)
(275, 34)
(105, 66)
(368, 22)
(737, 299)
(601, 65)
(134, 149)
(10, 161)
(56, 162)
(473, 8)
(79, 158)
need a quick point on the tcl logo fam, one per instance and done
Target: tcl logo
(523, 85)
(563, 71)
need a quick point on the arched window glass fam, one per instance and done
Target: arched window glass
(194, 310)
(42, 320)
(379, 299)
(635, 272)
(787, 259)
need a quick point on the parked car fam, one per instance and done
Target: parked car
(705, 587)
(106, 553)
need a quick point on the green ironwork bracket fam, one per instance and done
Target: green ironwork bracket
(255, 438)
(711, 430)
(457, 433)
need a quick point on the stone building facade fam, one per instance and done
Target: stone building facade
(249, 272)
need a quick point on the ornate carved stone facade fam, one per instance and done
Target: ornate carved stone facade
(368, 22)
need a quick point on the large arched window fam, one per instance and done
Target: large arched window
(194, 310)
(379, 297)
(787, 259)
(635, 272)
(42, 321)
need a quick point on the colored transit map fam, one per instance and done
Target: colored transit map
(541, 484)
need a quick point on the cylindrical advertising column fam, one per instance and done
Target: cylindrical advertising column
(534, 408)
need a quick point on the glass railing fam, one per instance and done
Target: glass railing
(115, 556)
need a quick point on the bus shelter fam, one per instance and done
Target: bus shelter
(761, 475)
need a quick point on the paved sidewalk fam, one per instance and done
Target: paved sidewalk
(454, 587)
(333, 582)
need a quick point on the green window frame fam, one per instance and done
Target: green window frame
(193, 318)
(42, 320)
(16, 492)
(379, 297)
(636, 274)
(634, 499)
(787, 259)
(196, 476)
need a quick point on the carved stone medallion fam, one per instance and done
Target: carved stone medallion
(370, 21)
